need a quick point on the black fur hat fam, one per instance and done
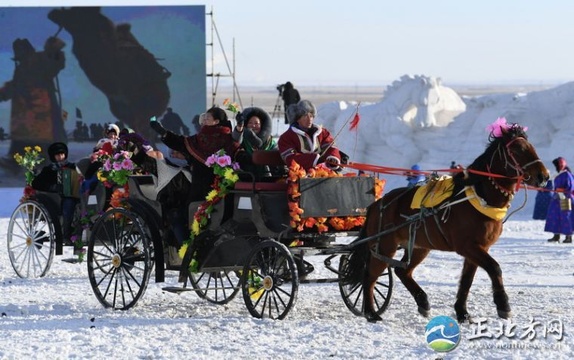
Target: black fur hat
(57, 148)
(266, 125)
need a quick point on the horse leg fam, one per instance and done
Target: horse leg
(406, 277)
(492, 268)
(374, 269)
(466, 278)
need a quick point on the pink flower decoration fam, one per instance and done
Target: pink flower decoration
(212, 159)
(224, 161)
(107, 165)
(127, 164)
(496, 127)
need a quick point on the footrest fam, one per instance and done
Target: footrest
(176, 290)
(72, 260)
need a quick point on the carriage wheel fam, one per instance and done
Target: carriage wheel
(31, 240)
(119, 259)
(353, 295)
(218, 287)
(270, 281)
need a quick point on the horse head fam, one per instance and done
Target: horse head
(509, 160)
(521, 159)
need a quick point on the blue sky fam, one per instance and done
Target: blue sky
(375, 42)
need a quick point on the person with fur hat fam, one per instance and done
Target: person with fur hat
(253, 135)
(559, 217)
(50, 179)
(306, 143)
(214, 135)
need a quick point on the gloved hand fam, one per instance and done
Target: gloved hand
(252, 138)
(239, 118)
(157, 126)
(333, 163)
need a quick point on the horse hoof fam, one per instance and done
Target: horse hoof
(462, 318)
(424, 312)
(373, 318)
(504, 314)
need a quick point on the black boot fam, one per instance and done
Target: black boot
(568, 239)
(67, 231)
(555, 238)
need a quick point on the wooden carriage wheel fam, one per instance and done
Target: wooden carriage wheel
(119, 259)
(270, 281)
(353, 295)
(31, 240)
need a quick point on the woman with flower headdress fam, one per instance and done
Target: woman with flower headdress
(559, 216)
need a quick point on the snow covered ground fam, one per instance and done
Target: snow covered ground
(58, 316)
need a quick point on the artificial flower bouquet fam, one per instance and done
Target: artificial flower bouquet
(115, 168)
(31, 158)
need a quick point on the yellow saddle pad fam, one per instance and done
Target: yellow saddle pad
(436, 191)
(433, 193)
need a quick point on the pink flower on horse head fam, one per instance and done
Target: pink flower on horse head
(496, 127)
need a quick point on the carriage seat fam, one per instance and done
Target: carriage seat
(143, 185)
(269, 158)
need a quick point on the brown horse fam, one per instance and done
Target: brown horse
(453, 225)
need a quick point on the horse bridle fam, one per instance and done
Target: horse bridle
(520, 170)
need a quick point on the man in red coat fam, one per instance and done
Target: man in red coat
(306, 143)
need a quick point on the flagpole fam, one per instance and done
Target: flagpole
(341, 129)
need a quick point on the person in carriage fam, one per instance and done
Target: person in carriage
(253, 132)
(306, 143)
(51, 179)
(214, 135)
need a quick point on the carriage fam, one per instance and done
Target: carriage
(248, 245)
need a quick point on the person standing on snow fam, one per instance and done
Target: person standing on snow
(559, 216)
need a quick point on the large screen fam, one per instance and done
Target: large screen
(66, 71)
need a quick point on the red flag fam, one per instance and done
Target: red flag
(355, 122)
